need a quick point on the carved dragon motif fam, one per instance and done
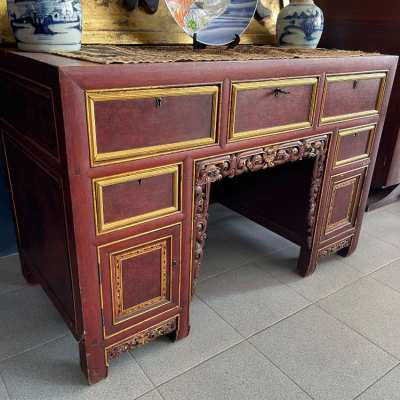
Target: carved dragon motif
(231, 165)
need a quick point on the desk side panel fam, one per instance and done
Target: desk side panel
(33, 149)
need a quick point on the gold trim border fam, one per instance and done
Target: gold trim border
(104, 158)
(179, 224)
(272, 83)
(99, 183)
(370, 129)
(382, 75)
(120, 314)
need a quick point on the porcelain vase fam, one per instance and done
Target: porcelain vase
(46, 25)
(300, 24)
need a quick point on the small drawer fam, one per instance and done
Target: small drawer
(354, 144)
(343, 199)
(135, 123)
(352, 96)
(274, 106)
(128, 199)
(140, 278)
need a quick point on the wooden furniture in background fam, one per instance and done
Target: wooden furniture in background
(372, 26)
(111, 170)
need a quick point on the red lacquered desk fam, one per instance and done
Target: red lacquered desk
(111, 169)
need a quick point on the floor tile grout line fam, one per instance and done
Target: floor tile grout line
(4, 360)
(201, 362)
(280, 369)
(378, 268)
(385, 284)
(367, 275)
(144, 372)
(375, 382)
(261, 330)
(397, 358)
(5, 386)
(245, 263)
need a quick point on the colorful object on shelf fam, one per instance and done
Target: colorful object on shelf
(46, 25)
(215, 22)
(300, 24)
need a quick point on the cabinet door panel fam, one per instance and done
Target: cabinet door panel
(139, 278)
(342, 204)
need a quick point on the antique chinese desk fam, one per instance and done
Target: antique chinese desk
(112, 168)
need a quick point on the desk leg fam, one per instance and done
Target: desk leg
(307, 261)
(93, 362)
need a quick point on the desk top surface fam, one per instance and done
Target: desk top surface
(108, 54)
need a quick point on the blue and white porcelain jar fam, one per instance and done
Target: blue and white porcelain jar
(46, 25)
(300, 24)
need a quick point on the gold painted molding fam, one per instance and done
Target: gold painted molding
(273, 83)
(132, 153)
(100, 183)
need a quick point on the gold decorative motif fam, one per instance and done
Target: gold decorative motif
(230, 165)
(335, 247)
(119, 311)
(270, 84)
(353, 77)
(100, 183)
(141, 338)
(96, 96)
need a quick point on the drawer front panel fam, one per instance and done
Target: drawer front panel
(139, 278)
(129, 124)
(354, 144)
(352, 96)
(344, 194)
(262, 108)
(128, 199)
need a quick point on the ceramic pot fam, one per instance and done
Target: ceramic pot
(300, 24)
(46, 25)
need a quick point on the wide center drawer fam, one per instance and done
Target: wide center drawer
(352, 96)
(273, 106)
(134, 123)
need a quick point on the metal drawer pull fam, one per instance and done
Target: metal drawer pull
(158, 101)
(355, 84)
(279, 91)
(174, 263)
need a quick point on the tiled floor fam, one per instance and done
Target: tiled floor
(259, 331)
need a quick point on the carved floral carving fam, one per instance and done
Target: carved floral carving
(231, 165)
(335, 247)
(141, 338)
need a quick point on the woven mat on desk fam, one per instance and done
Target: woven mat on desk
(108, 54)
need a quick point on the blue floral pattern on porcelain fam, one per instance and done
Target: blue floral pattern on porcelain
(300, 25)
(46, 25)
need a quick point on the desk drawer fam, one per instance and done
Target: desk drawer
(352, 96)
(140, 278)
(134, 123)
(128, 199)
(263, 108)
(343, 198)
(354, 144)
